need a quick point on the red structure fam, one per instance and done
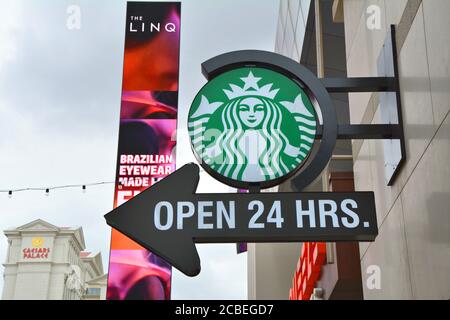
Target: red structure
(309, 265)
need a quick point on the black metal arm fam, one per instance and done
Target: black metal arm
(365, 131)
(364, 84)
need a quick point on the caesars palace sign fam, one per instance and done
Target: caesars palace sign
(37, 250)
(259, 120)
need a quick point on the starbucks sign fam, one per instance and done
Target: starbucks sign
(252, 125)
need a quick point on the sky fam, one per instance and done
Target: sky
(59, 115)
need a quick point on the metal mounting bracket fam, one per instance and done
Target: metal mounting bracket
(387, 84)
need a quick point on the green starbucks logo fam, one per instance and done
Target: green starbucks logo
(252, 125)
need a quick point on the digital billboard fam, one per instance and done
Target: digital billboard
(146, 150)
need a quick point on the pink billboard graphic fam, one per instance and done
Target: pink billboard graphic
(146, 151)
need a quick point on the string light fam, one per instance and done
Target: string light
(47, 189)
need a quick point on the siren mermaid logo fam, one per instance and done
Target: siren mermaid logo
(252, 125)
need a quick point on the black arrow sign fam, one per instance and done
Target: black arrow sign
(169, 217)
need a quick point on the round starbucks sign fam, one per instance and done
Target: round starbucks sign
(252, 126)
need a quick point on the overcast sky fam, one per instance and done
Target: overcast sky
(59, 115)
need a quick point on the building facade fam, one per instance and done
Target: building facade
(46, 262)
(410, 258)
(412, 250)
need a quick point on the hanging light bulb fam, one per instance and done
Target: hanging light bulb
(83, 188)
(47, 192)
(10, 194)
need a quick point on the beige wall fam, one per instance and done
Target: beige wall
(270, 269)
(413, 246)
(292, 18)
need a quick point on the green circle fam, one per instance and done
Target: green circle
(252, 125)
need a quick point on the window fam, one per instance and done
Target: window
(93, 291)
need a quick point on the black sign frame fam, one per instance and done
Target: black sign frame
(312, 86)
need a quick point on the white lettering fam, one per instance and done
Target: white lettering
(310, 213)
(171, 27)
(229, 217)
(181, 214)
(344, 207)
(331, 212)
(131, 27)
(157, 215)
(157, 27)
(202, 214)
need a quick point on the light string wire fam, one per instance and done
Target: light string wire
(47, 189)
